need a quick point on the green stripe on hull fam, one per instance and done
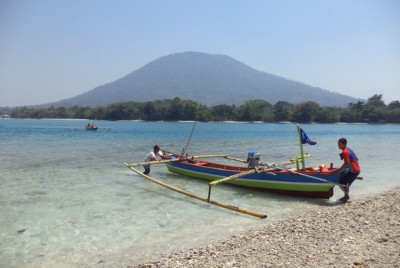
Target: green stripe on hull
(301, 187)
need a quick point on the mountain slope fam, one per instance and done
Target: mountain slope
(207, 79)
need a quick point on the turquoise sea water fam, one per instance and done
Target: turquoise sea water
(67, 200)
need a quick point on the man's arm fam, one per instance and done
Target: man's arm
(343, 167)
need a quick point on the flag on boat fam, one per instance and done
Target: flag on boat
(305, 139)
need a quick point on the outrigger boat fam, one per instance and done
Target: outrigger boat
(317, 182)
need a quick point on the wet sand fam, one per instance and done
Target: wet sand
(363, 233)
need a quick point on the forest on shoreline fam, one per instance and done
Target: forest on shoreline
(372, 111)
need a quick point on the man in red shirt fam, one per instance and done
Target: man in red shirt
(350, 169)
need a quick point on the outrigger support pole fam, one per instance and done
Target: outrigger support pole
(174, 160)
(251, 171)
(235, 176)
(209, 193)
(204, 199)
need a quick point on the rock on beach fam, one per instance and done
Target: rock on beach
(363, 233)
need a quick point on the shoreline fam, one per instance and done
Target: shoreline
(363, 233)
(192, 121)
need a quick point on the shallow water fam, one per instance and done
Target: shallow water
(67, 200)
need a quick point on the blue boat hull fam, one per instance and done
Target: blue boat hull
(277, 181)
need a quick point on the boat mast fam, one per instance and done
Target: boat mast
(187, 144)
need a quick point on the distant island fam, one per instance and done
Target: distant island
(208, 79)
(372, 111)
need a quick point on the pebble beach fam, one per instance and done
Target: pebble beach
(362, 233)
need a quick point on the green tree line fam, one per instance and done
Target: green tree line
(372, 111)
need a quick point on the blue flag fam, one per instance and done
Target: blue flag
(305, 139)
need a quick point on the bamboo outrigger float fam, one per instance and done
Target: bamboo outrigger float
(204, 199)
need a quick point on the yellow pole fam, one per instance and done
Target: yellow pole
(301, 147)
(174, 160)
(208, 156)
(235, 159)
(273, 168)
(153, 162)
(204, 199)
(238, 175)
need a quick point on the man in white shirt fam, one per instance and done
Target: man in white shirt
(152, 156)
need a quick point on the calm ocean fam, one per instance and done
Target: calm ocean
(67, 200)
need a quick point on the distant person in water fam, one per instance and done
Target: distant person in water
(350, 169)
(152, 156)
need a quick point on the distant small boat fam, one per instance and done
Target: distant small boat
(91, 127)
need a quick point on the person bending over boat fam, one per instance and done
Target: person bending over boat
(350, 169)
(152, 156)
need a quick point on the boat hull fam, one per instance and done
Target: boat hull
(278, 181)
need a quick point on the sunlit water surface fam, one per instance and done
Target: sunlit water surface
(67, 200)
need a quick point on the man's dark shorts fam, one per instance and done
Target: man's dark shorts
(347, 178)
(146, 170)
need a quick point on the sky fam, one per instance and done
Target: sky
(53, 50)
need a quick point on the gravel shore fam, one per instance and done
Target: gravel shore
(363, 233)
